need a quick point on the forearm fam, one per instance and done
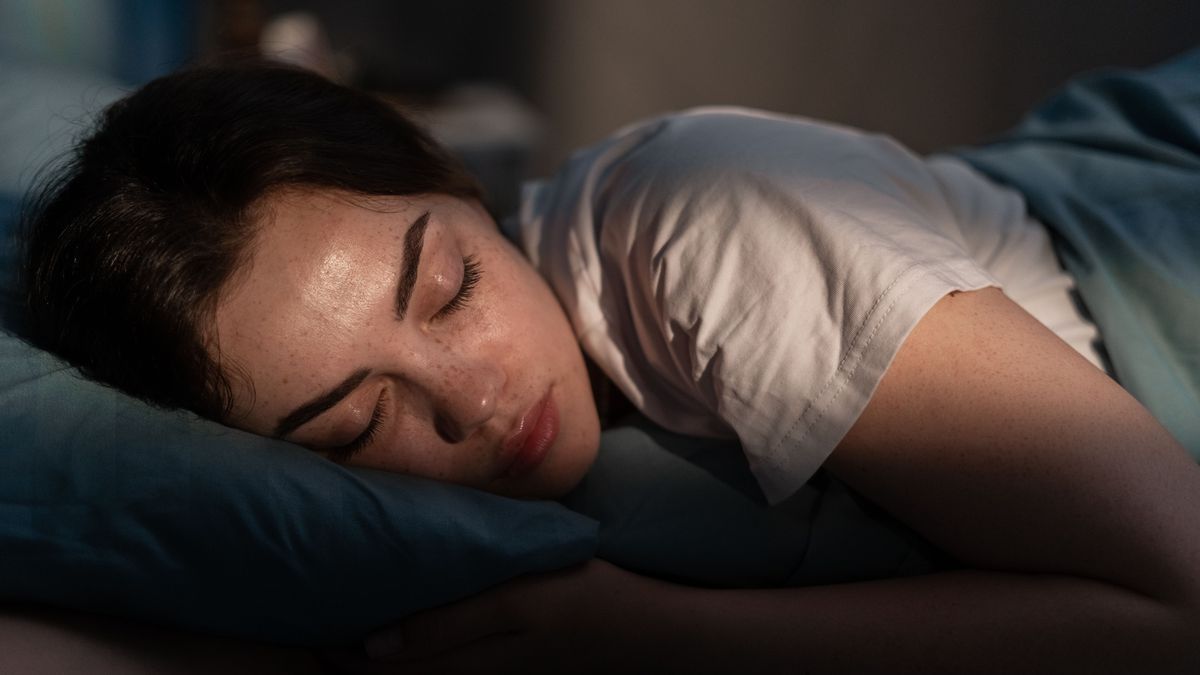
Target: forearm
(40, 639)
(955, 622)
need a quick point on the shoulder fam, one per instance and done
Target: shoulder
(681, 201)
(754, 170)
(715, 143)
(720, 156)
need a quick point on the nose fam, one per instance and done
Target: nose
(465, 399)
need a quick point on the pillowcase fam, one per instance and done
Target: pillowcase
(111, 506)
(690, 510)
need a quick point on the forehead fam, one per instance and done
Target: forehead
(294, 225)
(319, 252)
(319, 266)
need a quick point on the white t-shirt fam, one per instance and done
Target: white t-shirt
(741, 274)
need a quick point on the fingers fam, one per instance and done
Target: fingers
(347, 661)
(495, 654)
(563, 621)
(441, 629)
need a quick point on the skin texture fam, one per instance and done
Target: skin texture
(1076, 510)
(317, 302)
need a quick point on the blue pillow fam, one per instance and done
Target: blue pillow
(690, 510)
(109, 505)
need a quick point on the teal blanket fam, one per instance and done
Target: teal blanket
(1111, 164)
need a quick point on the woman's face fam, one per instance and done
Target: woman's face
(406, 334)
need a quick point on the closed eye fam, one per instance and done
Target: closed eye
(470, 278)
(343, 453)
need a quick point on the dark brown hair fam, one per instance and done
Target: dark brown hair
(127, 248)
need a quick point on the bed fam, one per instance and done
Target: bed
(124, 526)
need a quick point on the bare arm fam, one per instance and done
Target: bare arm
(1078, 511)
(41, 640)
(1003, 446)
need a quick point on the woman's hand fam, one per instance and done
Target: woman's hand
(594, 618)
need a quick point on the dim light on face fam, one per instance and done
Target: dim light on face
(406, 334)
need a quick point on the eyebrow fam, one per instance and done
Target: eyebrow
(301, 415)
(414, 241)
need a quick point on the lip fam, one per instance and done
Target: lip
(536, 431)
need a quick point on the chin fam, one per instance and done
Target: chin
(559, 475)
(567, 481)
(579, 461)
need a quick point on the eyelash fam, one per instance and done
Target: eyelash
(471, 275)
(345, 452)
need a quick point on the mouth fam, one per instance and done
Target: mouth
(529, 444)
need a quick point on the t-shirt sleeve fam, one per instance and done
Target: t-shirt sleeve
(751, 275)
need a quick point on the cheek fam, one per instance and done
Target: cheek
(525, 295)
(501, 302)
(526, 321)
(414, 448)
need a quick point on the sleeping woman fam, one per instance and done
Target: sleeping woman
(294, 258)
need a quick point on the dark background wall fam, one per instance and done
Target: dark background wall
(930, 72)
